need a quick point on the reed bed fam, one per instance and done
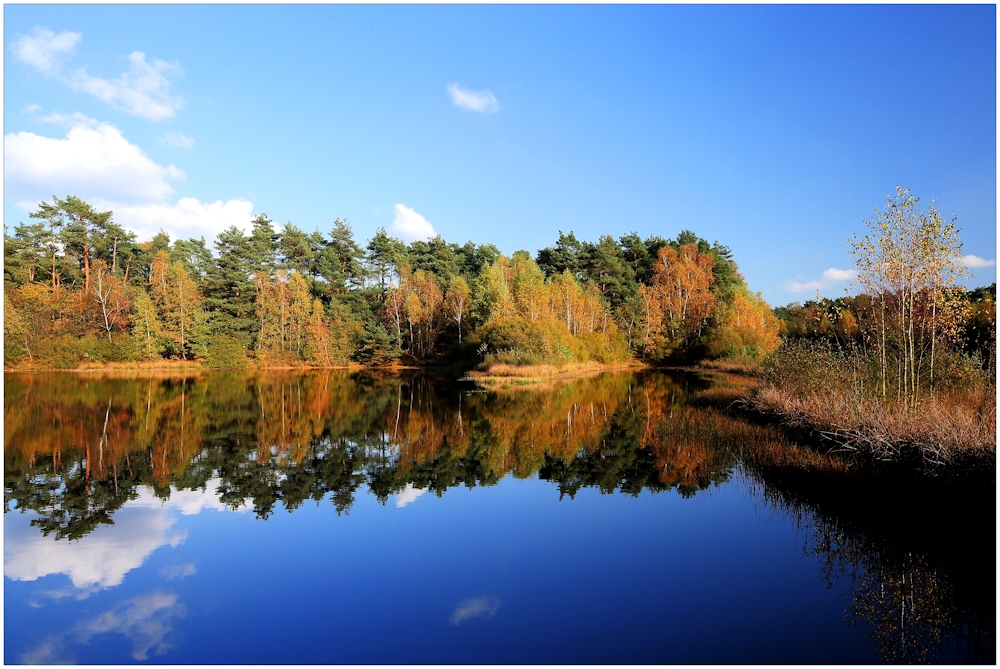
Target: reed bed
(951, 428)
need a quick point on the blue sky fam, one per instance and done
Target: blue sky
(773, 129)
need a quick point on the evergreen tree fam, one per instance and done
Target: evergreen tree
(564, 256)
(384, 255)
(229, 292)
(263, 245)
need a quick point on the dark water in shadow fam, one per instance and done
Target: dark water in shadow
(335, 517)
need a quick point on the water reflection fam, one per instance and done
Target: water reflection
(921, 567)
(100, 468)
(146, 622)
(77, 450)
(101, 558)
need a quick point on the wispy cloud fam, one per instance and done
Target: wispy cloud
(410, 225)
(146, 621)
(828, 279)
(483, 102)
(976, 262)
(44, 49)
(176, 139)
(478, 607)
(143, 90)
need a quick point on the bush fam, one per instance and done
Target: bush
(61, 352)
(606, 348)
(519, 341)
(378, 347)
(958, 371)
(225, 352)
(811, 366)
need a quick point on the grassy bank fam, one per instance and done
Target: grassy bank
(830, 397)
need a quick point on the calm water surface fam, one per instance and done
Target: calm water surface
(336, 517)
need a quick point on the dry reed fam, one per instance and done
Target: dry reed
(955, 428)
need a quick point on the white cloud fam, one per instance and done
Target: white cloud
(410, 225)
(976, 262)
(188, 502)
(483, 102)
(188, 217)
(43, 49)
(408, 495)
(176, 139)
(141, 91)
(479, 607)
(94, 160)
(828, 279)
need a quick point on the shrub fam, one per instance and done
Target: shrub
(226, 352)
(378, 347)
(61, 352)
(606, 348)
(519, 341)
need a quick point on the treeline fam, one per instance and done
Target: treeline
(967, 325)
(79, 287)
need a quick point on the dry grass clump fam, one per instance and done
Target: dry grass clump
(507, 374)
(744, 365)
(827, 395)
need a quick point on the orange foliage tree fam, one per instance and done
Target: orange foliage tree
(678, 302)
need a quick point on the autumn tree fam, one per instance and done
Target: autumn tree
(422, 307)
(146, 329)
(679, 301)
(108, 291)
(909, 262)
(456, 302)
(178, 302)
(493, 296)
(745, 325)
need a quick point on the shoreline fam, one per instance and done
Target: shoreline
(540, 372)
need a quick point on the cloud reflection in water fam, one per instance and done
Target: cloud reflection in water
(146, 621)
(477, 607)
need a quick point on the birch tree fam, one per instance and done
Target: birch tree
(909, 261)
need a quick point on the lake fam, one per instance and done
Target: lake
(359, 517)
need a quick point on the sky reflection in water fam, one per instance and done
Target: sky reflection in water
(427, 525)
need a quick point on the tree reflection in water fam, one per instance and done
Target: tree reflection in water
(77, 449)
(921, 563)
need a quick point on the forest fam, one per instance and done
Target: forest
(79, 288)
